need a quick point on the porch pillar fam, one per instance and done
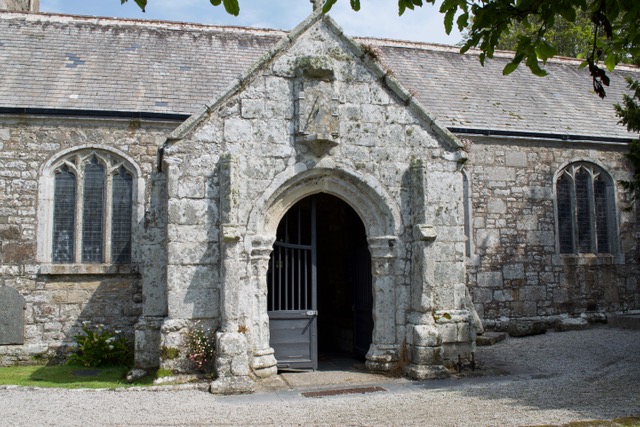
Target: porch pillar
(383, 353)
(264, 363)
(424, 341)
(232, 355)
(153, 264)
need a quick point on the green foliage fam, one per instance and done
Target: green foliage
(141, 3)
(201, 348)
(572, 39)
(630, 116)
(231, 6)
(630, 113)
(99, 346)
(162, 373)
(613, 31)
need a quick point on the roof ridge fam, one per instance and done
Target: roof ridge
(438, 47)
(111, 21)
(182, 26)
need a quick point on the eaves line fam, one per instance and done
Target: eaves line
(113, 114)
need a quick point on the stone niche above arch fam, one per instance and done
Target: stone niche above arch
(316, 105)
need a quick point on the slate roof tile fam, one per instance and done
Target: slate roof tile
(57, 61)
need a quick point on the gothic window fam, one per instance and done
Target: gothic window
(93, 201)
(585, 209)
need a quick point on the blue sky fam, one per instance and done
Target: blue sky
(378, 18)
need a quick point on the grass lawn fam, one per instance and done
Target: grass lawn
(68, 376)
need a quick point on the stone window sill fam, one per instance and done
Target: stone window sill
(89, 269)
(590, 259)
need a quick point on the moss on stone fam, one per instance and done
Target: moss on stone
(169, 353)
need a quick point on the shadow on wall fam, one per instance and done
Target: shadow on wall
(193, 255)
(115, 302)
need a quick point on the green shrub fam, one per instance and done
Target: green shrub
(99, 346)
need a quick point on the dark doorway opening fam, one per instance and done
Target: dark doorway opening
(345, 321)
(319, 284)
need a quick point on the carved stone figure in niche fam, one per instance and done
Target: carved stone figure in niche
(317, 105)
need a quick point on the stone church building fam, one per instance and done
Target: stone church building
(299, 193)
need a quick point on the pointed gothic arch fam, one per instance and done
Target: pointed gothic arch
(381, 218)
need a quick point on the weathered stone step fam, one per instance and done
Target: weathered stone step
(625, 321)
(490, 338)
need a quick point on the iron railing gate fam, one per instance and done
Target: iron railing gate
(292, 285)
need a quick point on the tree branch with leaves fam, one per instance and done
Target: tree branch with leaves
(629, 114)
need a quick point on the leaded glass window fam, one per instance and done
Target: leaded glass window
(93, 212)
(92, 209)
(585, 209)
(64, 215)
(565, 215)
(121, 217)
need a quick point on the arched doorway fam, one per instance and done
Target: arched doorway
(319, 283)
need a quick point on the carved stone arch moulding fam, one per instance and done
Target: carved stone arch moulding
(378, 211)
(381, 217)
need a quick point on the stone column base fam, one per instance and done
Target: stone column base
(382, 357)
(232, 385)
(147, 342)
(232, 359)
(264, 363)
(426, 372)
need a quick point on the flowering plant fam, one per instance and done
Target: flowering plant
(201, 348)
(99, 346)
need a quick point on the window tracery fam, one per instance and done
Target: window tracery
(585, 207)
(93, 200)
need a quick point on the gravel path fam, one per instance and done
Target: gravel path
(552, 379)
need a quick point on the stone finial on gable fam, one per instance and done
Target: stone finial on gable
(317, 121)
(317, 4)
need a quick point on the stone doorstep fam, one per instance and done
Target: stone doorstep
(625, 321)
(490, 338)
(572, 324)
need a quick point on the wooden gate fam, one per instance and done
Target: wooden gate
(292, 284)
